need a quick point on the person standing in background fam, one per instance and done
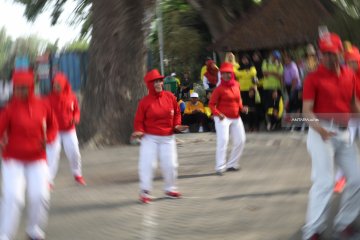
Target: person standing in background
(230, 58)
(211, 77)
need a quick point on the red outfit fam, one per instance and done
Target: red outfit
(65, 104)
(157, 113)
(357, 85)
(331, 93)
(226, 100)
(27, 123)
(211, 72)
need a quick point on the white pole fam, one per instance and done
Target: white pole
(160, 35)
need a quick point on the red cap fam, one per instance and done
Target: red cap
(153, 75)
(330, 43)
(23, 78)
(352, 54)
(227, 67)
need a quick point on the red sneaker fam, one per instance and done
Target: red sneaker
(316, 236)
(173, 194)
(350, 233)
(80, 180)
(340, 185)
(145, 197)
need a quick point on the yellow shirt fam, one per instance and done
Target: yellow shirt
(272, 82)
(203, 71)
(246, 77)
(191, 107)
(207, 111)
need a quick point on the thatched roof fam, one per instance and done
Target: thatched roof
(277, 24)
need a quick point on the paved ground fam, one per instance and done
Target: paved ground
(266, 200)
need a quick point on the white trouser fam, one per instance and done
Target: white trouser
(234, 128)
(354, 128)
(152, 148)
(324, 155)
(16, 176)
(71, 147)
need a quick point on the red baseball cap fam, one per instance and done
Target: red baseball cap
(331, 43)
(227, 67)
(153, 75)
(23, 78)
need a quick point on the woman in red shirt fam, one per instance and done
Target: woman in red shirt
(226, 104)
(65, 106)
(157, 117)
(27, 121)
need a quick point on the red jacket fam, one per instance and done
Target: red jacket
(64, 104)
(158, 115)
(226, 100)
(357, 83)
(27, 124)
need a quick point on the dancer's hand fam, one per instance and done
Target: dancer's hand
(325, 134)
(137, 135)
(43, 143)
(245, 109)
(180, 128)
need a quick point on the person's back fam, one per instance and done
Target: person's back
(171, 84)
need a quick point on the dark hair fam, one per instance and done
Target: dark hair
(208, 91)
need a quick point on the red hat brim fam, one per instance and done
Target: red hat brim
(152, 76)
(227, 67)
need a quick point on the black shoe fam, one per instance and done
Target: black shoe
(232, 169)
(219, 173)
(30, 238)
(194, 128)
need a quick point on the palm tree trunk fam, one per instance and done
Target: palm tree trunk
(116, 70)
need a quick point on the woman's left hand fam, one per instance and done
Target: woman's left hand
(245, 110)
(180, 128)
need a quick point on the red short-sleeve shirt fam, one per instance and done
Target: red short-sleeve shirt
(331, 93)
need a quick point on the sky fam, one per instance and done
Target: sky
(16, 25)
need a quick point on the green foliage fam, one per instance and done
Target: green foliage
(77, 46)
(347, 27)
(351, 7)
(31, 46)
(185, 39)
(82, 13)
(5, 47)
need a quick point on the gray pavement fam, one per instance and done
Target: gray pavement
(266, 200)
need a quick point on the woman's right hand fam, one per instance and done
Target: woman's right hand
(325, 134)
(137, 134)
(221, 116)
(180, 128)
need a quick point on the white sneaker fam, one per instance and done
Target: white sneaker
(201, 129)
